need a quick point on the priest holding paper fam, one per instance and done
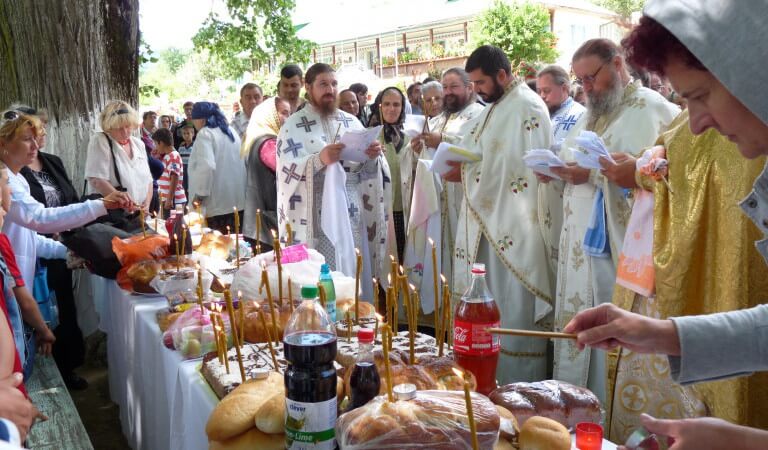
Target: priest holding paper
(622, 117)
(334, 204)
(498, 221)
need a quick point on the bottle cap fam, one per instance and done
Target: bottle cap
(309, 292)
(365, 335)
(405, 391)
(260, 373)
(478, 268)
(325, 268)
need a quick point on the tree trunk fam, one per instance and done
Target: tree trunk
(69, 57)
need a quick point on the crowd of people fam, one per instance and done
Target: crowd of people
(622, 255)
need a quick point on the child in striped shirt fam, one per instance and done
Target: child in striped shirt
(170, 185)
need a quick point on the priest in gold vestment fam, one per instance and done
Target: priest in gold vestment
(705, 262)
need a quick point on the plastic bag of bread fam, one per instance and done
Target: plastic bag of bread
(430, 420)
(302, 273)
(553, 399)
(192, 333)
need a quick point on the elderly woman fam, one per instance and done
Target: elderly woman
(116, 160)
(348, 102)
(216, 173)
(26, 216)
(389, 110)
(259, 151)
(696, 45)
(432, 93)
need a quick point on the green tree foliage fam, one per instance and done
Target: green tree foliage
(258, 31)
(623, 8)
(520, 29)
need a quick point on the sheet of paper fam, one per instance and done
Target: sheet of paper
(542, 160)
(413, 125)
(585, 160)
(356, 142)
(594, 147)
(449, 152)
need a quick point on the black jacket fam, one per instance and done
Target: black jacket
(53, 165)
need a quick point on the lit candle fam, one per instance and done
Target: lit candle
(269, 340)
(242, 317)
(386, 333)
(224, 352)
(265, 282)
(237, 237)
(388, 299)
(161, 211)
(290, 295)
(376, 329)
(278, 257)
(289, 234)
(216, 337)
(446, 314)
(434, 281)
(394, 273)
(376, 294)
(178, 256)
(233, 328)
(358, 271)
(200, 288)
(589, 436)
(258, 231)
(184, 239)
(199, 209)
(349, 326)
(470, 413)
(143, 225)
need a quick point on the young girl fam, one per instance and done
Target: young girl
(170, 185)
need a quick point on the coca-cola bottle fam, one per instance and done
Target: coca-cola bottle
(474, 348)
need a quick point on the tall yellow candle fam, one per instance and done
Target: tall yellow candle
(184, 239)
(376, 295)
(237, 237)
(289, 234)
(290, 295)
(470, 413)
(143, 225)
(386, 334)
(265, 282)
(178, 256)
(258, 231)
(216, 336)
(348, 322)
(269, 340)
(358, 271)
(233, 328)
(242, 317)
(278, 257)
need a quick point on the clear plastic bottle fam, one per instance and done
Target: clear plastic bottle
(364, 382)
(474, 348)
(330, 291)
(310, 378)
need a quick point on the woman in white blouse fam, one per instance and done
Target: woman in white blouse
(116, 147)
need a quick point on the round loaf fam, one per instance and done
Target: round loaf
(540, 433)
(254, 331)
(342, 306)
(508, 428)
(250, 440)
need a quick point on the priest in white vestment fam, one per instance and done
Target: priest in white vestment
(629, 118)
(498, 221)
(459, 108)
(333, 206)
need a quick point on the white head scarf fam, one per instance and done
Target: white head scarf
(729, 38)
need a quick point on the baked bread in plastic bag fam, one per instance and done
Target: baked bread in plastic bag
(431, 420)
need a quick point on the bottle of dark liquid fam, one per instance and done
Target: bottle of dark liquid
(310, 378)
(365, 381)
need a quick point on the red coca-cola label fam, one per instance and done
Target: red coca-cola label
(473, 339)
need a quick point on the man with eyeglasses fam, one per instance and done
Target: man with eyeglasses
(629, 118)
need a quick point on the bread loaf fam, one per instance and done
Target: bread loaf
(540, 433)
(250, 440)
(557, 400)
(433, 419)
(270, 418)
(236, 413)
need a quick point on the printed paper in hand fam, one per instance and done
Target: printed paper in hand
(542, 160)
(356, 142)
(413, 125)
(448, 152)
(592, 149)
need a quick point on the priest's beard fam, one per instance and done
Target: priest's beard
(453, 103)
(498, 92)
(325, 105)
(600, 104)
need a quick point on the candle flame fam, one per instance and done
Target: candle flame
(357, 251)
(413, 288)
(389, 278)
(392, 258)
(442, 277)
(431, 242)
(458, 372)
(379, 317)
(274, 234)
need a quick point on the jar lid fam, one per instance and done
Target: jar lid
(260, 373)
(405, 391)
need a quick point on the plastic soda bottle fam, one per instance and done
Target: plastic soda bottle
(474, 348)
